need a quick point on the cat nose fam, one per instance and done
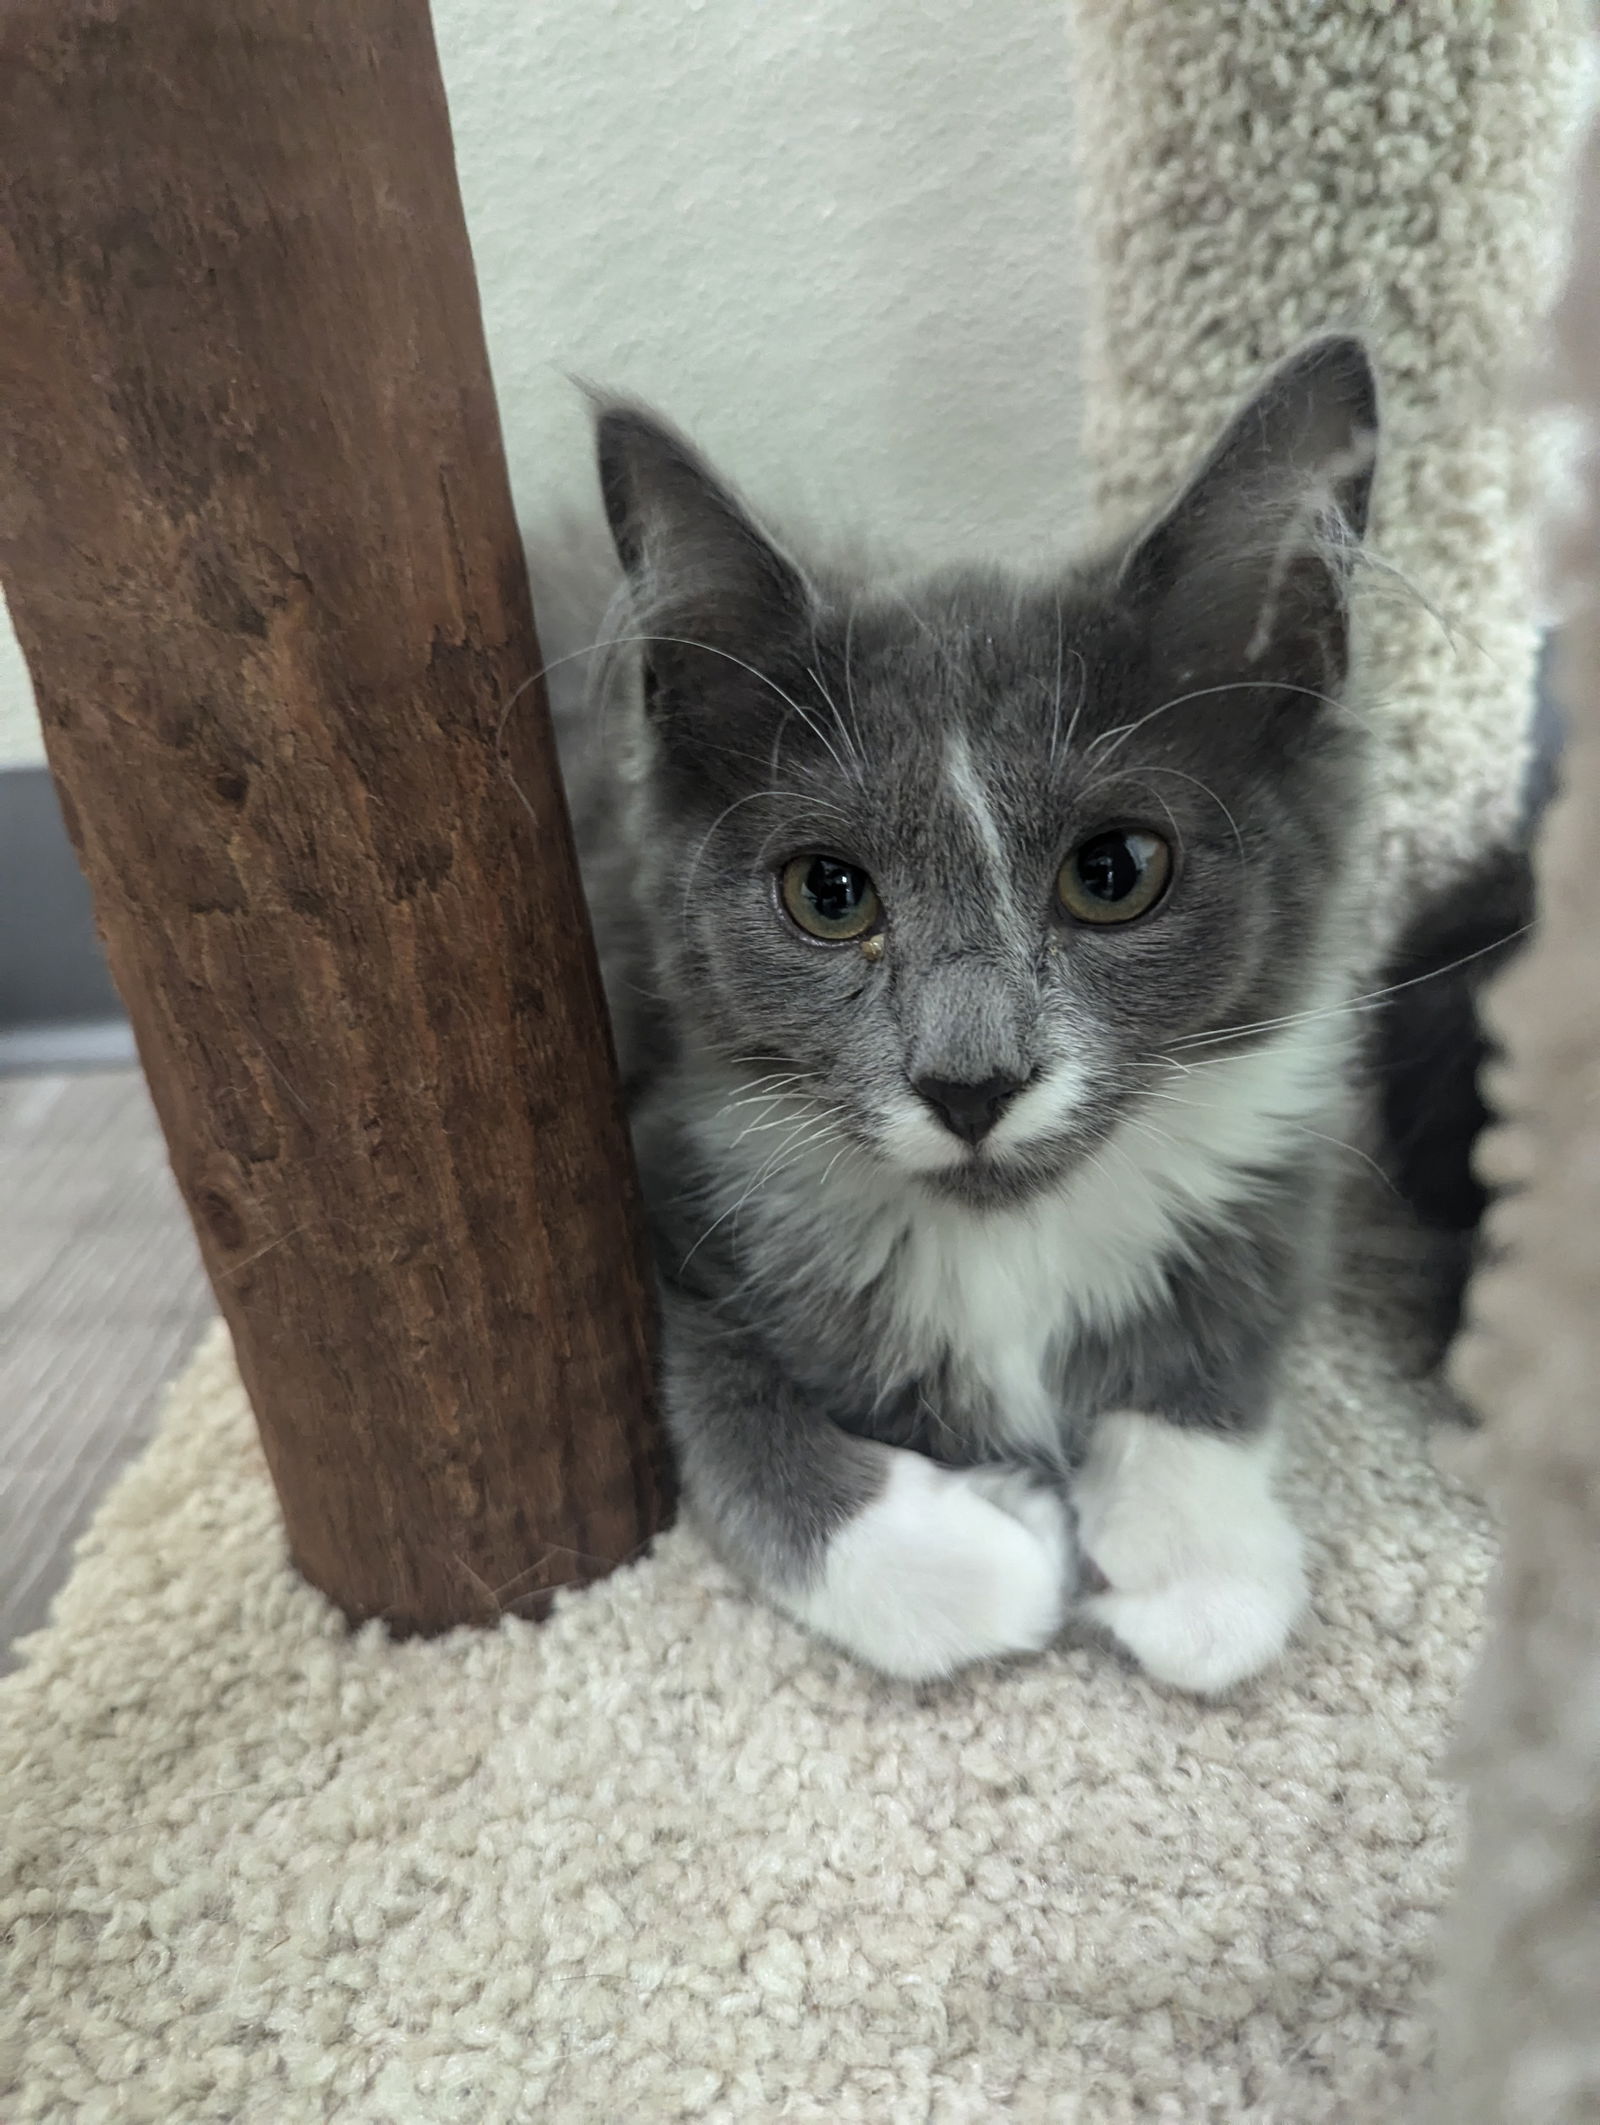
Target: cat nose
(970, 1110)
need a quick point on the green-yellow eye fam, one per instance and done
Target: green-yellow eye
(1114, 877)
(829, 899)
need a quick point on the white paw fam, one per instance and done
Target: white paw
(944, 1567)
(1205, 1580)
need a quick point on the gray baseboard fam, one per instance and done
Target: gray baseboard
(58, 1007)
(66, 1044)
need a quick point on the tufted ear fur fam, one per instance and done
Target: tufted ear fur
(1245, 575)
(726, 609)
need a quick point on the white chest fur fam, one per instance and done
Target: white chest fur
(992, 1296)
(991, 1300)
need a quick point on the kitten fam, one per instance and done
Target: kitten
(974, 949)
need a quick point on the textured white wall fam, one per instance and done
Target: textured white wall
(832, 239)
(19, 730)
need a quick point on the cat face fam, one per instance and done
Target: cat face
(965, 869)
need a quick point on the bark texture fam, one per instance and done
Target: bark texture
(259, 546)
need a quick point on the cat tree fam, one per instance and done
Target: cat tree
(663, 1858)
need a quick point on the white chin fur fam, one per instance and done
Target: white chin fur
(1205, 1571)
(943, 1568)
(1044, 1109)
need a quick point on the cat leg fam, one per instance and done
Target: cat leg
(916, 1569)
(1204, 1579)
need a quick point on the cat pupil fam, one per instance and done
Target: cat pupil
(1109, 868)
(834, 889)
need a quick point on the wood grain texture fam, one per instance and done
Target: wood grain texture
(101, 1298)
(260, 550)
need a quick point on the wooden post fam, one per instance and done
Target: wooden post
(258, 540)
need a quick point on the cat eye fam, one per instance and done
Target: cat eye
(833, 901)
(1114, 877)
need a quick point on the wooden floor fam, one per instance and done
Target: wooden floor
(101, 1299)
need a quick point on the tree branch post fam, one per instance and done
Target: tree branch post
(259, 546)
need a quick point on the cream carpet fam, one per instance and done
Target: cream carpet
(663, 1858)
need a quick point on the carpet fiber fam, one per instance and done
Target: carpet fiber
(663, 1858)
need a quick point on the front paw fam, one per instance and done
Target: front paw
(944, 1567)
(1202, 1568)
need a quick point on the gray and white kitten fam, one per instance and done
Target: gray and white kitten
(974, 952)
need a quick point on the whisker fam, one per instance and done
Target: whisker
(1177, 831)
(846, 739)
(1055, 712)
(1367, 1001)
(912, 614)
(1337, 1143)
(1078, 704)
(1124, 731)
(788, 1152)
(1147, 768)
(755, 797)
(849, 677)
(844, 1149)
(763, 1100)
(780, 1121)
(1141, 1125)
(766, 1089)
(709, 649)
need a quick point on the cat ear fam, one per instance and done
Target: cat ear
(1247, 572)
(707, 584)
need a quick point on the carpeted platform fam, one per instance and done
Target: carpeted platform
(664, 1859)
